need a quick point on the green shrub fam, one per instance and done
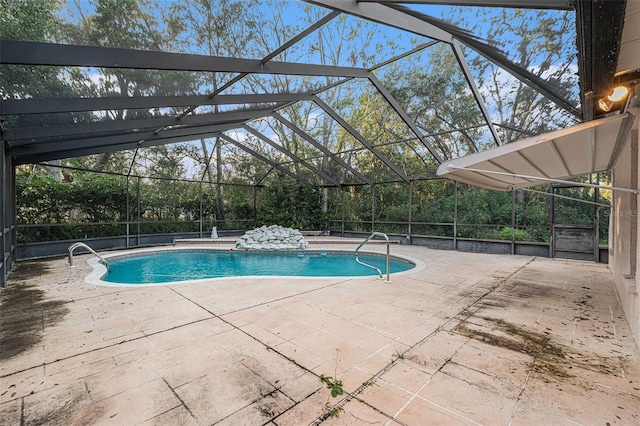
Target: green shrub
(518, 234)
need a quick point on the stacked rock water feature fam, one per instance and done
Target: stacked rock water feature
(274, 237)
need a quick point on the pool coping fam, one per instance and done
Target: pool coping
(99, 269)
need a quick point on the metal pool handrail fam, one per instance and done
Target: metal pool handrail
(83, 245)
(366, 240)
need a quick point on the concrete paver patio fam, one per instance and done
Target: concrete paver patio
(468, 339)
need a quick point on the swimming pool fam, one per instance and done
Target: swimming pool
(188, 265)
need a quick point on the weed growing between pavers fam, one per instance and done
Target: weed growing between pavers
(336, 389)
(334, 411)
(334, 384)
(398, 354)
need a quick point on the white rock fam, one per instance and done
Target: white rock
(272, 237)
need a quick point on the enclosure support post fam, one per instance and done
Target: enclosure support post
(552, 220)
(255, 207)
(455, 215)
(5, 206)
(201, 235)
(344, 209)
(13, 226)
(373, 208)
(513, 222)
(138, 208)
(9, 220)
(127, 213)
(596, 198)
(133, 161)
(410, 201)
(4, 269)
(9, 217)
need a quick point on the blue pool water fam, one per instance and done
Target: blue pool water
(194, 265)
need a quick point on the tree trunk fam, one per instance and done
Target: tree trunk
(55, 172)
(325, 191)
(205, 152)
(102, 161)
(325, 200)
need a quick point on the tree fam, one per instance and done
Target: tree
(35, 20)
(32, 20)
(436, 94)
(343, 41)
(304, 208)
(540, 41)
(219, 28)
(127, 24)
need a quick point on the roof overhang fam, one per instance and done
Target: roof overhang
(580, 150)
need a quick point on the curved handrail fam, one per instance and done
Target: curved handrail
(366, 240)
(83, 245)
